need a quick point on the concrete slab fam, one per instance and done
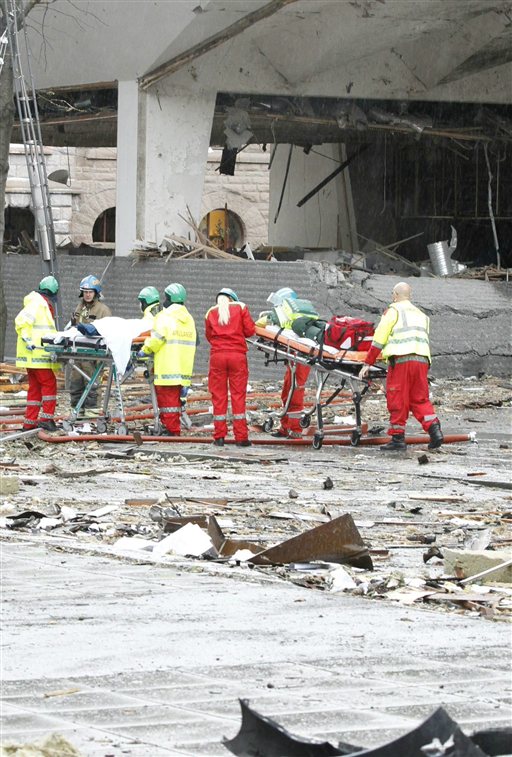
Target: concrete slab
(162, 657)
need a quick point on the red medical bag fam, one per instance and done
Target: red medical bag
(349, 333)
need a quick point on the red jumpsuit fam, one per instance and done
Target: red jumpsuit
(297, 400)
(228, 367)
(41, 397)
(169, 406)
(407, 391)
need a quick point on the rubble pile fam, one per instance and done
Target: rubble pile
(429, 522)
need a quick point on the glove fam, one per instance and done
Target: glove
(363, 373)
(31, 347)
(183, 392)
(141, 355)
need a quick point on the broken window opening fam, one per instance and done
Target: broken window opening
(104, 229)
(19, 226)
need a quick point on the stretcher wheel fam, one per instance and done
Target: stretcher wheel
(268, 425)
(318, 440)
(67, 426)
(305, 421)
(101, 426)
(122, 429)
(355, 438)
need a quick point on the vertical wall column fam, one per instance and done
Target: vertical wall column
(163, 137)
(178, 125)
(127, 152)
(327, 219)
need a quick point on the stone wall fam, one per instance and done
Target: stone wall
(92, 189)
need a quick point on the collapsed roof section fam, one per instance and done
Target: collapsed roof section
(87, 117)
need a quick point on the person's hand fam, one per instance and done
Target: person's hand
(365, 370)
(141, 355)
(31, 347)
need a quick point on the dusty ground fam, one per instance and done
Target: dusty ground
(460, 498)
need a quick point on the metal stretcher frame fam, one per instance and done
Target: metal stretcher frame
(93, 349)
(325, 366)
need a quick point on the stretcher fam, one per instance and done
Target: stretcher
(328, 364)
(84, 349)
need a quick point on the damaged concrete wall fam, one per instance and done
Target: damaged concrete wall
(470, 320)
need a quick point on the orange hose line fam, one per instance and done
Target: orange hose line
(268, 441)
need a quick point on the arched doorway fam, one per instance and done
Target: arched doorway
(224, 229)
(104, 229)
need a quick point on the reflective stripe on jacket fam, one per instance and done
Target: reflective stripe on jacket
(31, 324)
(173, 342)
(88, 312)
(403, 330)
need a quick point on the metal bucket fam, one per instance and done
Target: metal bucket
(440, 254)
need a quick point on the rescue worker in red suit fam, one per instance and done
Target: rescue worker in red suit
(287, 308)
(227, 324)
(34, 322)
(402, 339)
(173, 342)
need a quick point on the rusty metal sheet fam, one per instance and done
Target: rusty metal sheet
(337, 541)
(230, 546)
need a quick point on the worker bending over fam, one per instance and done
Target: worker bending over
(34, 322)
(227, 324)
(287, 309)
(402, 338)
(149, 299)
(173, 342)
(90, 308)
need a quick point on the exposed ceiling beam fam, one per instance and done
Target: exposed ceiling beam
(196, 51)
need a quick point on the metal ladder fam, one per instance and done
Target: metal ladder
(31, 134)
(3, 47)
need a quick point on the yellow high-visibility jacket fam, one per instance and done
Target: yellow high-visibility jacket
(403, 330)
(31, 324)
(150, 314)
(173, 342)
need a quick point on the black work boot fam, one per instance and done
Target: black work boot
(219, 442)
(49, 425)
(397, 444)
(436, 435)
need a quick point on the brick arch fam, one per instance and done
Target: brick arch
(83, 220)
(254, 223)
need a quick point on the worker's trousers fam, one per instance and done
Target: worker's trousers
(228, 370)
(77, 384)
(297, 399)
(169, 405)
(41, 396)
(407, 392)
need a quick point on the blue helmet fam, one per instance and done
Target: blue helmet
(229, 293)
(277, 298)
(90, 282)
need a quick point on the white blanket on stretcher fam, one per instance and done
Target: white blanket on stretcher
(118, 334)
